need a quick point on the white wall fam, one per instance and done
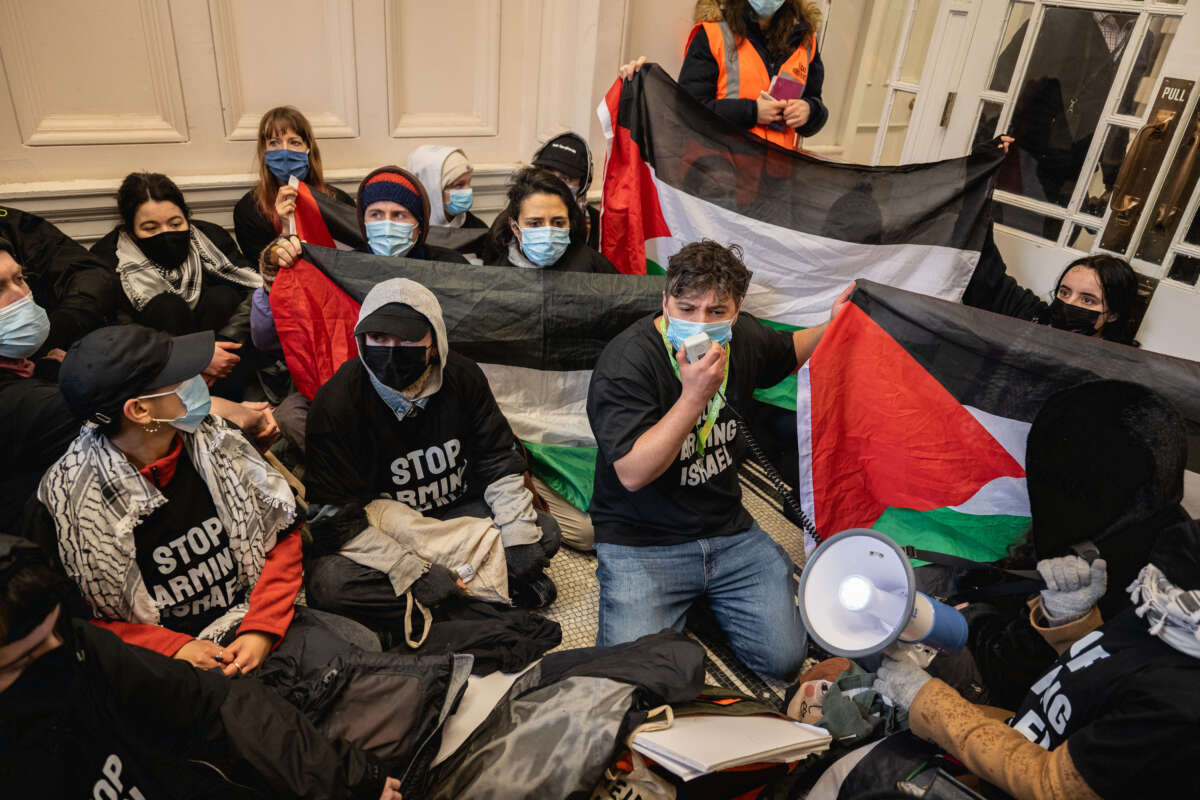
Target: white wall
(97, 90)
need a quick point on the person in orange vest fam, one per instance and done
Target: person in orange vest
(735, 50)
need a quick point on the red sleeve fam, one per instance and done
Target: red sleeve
(152, 637)
(273, 599)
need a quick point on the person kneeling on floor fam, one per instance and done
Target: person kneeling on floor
(411, 421)
(670, 525)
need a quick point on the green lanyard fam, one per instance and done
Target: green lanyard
(714, 407)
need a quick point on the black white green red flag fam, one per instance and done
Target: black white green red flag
(913, 413)
(677, 173)
(535, 334)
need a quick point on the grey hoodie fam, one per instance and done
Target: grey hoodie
(410, 293)
(510, 502)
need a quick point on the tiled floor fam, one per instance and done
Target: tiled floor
(579, 594)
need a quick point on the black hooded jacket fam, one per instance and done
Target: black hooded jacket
(97, 712)
(1104, 463)
(77, 290)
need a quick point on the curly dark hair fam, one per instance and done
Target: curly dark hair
(706, 265)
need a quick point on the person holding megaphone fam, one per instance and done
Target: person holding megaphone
(1116, 708)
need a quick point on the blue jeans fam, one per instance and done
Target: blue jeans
(747, 578)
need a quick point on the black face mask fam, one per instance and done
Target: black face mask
(167, 249)
(397, 367)
(1073, 318)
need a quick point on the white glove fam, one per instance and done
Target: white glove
(900, 680)
(1072, 587)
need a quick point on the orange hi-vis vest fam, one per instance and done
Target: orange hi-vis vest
(743, 73)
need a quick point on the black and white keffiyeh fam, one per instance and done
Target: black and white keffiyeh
(1173, 613)
(143, 280)
(97, 498)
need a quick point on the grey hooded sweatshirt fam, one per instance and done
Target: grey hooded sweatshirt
(444, 446)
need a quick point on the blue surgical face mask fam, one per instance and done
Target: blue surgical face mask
(24, 327)
(390, 238)
(460, 201)
(680, 329)
(766, 8)
(285, 163)
(544, 246)
(197, 402)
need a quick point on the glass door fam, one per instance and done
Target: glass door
(875, 59)
(1076, 83)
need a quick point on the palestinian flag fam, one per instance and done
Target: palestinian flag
(912, 416)
(535, 334)
(677, 173)
(312, 351)
(326, 222)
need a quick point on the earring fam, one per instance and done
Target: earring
(151, 427)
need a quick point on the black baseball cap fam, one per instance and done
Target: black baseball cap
(565, 153)
(395, 319)
(110, 365)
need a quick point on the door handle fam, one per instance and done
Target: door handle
(1123, 200)
(1171, 200)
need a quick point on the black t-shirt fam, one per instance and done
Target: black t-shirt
(633, 386)
(184, 556)
(436, 458)
(38, 428)
(1128, 707)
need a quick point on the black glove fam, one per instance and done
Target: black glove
(332, 526)
(437, 585)
(525, 561)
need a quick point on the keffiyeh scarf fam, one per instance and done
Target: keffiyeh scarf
(143, 280)
(1173, 613)
(97, 498)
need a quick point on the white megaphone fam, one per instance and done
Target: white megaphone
(857, 598)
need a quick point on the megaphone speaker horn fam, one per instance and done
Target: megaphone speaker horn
(857, 596)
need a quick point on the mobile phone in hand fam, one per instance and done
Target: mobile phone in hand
(694, 347)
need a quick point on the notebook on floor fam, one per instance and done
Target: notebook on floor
(703, 743)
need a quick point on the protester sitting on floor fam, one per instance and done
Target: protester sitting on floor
(1094, 296)
(670, 525)
(286, 147)
(39, 425)
(568, 157)
(1104, 467)
(393, 210)
(1115, 717)
(542, 227)
(76, 290)
(179, 535)
(179, 275)
(436, 166)
(83, 714)
(413, 421)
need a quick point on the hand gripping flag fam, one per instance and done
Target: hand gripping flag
(913, 413)
(314, 319)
